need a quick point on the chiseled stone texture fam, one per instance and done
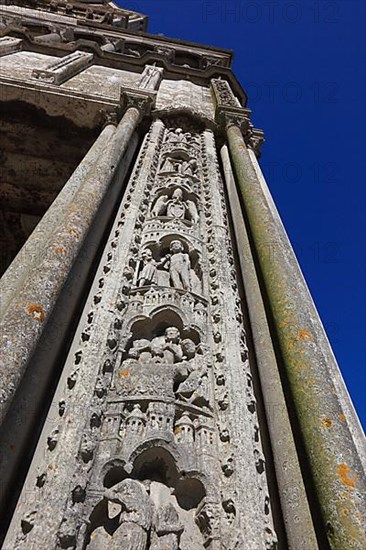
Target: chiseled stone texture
(103, 81)
(186, 95)
(21, 64)
(147, 425)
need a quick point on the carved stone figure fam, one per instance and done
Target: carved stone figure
(148, 274)
(176, 207)
(193, 212)
(179, 266)
(130, 505)
(149, 368)
(189, 167)
(169, 165)
(177, 135)
(167, 348)
(168, 528)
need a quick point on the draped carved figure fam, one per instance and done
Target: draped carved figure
(172, 269)
(128, 504)
(137, 374)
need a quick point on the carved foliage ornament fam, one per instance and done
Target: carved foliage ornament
(138, 99)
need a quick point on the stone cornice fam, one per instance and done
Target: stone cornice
(97, 12)
(119, 60)
(206, 54)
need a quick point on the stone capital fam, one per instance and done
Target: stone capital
(110, 117)
(226, 116)
(254, 140)
(232, 116)
(224, 96)
(142, 100)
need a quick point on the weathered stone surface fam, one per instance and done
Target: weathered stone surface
(295, 508)
(38, 296)
(153, 434)
(337, 467)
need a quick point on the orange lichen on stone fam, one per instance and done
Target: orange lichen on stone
(327, 422)
(342, 417)
(37, 312)
(73, 232)
(125, 373)
(177, 430)
(60, 250)
(344, 473)
(305, 334)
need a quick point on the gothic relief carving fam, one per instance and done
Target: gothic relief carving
(128, 511)
(176, 164)
(223, 93)
(176, 204)
(170, 263)
(151, 77)
(162, 505)
(153, 366)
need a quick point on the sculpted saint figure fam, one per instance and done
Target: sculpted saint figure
(148, 274)
(176, 207)
(159, 207)
(179, 266)
(188, 167)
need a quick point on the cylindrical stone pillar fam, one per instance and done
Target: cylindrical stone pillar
(295, 508)
(33, 249)
(335, 462)
(27, 314)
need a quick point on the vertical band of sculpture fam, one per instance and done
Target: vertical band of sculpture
(337, 470)
(164, 449)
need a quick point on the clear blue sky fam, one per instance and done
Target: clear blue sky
(302, 65)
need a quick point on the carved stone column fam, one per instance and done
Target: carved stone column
(330, 437)
(34, 303)
(295, 508)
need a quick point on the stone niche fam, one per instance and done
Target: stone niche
(38, 155)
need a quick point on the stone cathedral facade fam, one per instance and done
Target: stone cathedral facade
(166, 382)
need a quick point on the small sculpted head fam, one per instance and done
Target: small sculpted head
(175, 247)
(147, 255)
(189, 348)
(172, 334)
(178, 194)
